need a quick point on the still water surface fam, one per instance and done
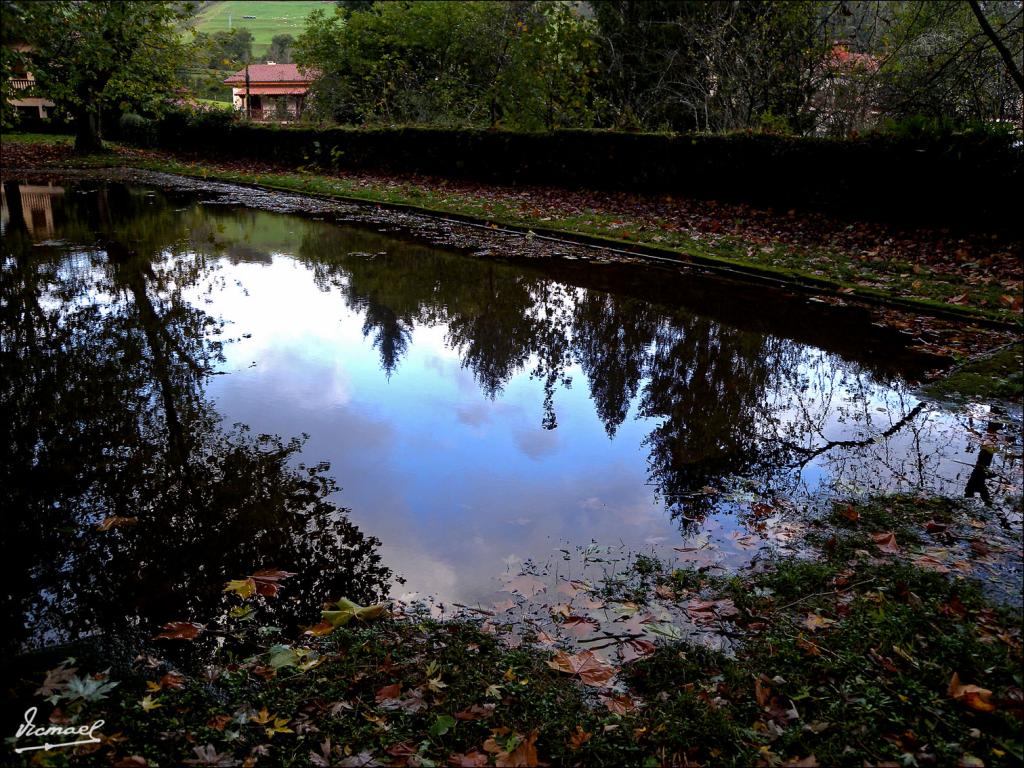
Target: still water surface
(161, 353)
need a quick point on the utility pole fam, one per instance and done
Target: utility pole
(248, 101)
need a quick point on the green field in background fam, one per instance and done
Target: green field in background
(273, 17)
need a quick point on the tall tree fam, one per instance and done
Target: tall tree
(88, 55)
(280, 50)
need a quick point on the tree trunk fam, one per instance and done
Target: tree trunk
(87, 132)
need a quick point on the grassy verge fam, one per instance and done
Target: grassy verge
(862, 655)
(994, 376)
(957, 293)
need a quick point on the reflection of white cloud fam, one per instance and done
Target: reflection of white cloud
(536, 443)
(474, 414)
(314, 383)
(431, 575)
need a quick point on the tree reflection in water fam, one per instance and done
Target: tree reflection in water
(105, 362)
(724, 402)
(103, 413)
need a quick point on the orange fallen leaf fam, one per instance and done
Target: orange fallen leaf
(850, 513)
(620, 704)
(115, 521)
(180, 630)
(761, 692)
(468, 760)
(321, 629)
(590, 669)
(172, 680)
(578, 738)
(389, 692)
(814, 622)
(266, 581)
(476, 712)
(974, 696)
(218, 722)
(524, 755)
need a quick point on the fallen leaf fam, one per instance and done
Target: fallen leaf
(525, 584)
(886, 542)
(321, 629)
(364, 759)
(581, 626)
(218, 722)
(761, 692)
(974, 696)
(208, 756)
(262, 717)
(172, 680)
(476, 712)
(468, 760)
(180, 630)
(578, 738)
(347, 610)
(244, 588)
(524, 755)
(56, 680)
(619, 704)
(266, 581)
(389, 692)
(814, 622)
(115, 521)
(590, 669)
(665, 592)
(148, 704)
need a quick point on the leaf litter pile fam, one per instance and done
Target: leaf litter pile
(871, 645)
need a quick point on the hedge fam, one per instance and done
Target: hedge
(966, 180)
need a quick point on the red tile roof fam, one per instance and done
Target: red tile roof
(273, 73)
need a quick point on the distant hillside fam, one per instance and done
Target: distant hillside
(272, 17)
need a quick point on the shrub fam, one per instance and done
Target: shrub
(137, 130)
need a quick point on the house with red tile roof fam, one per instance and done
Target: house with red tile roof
(271, 91)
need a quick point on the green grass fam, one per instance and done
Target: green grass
(995, 376)
(214, 103)
(272, 18)
(58, 139)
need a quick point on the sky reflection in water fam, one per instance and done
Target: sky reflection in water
(455, 470)
(477, 415)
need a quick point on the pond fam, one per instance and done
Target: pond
(194, 390)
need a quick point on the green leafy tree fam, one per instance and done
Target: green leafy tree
(225, 50)
(516, 64)
(88, 56)
(939, 62)
(710, 65)
(280, 49)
